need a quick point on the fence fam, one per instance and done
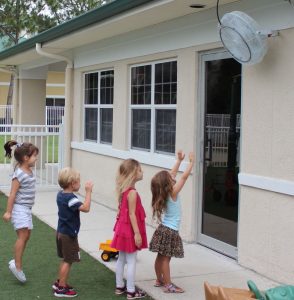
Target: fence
(47, 138)
(53, 115)
(218, 143)
(6, 114)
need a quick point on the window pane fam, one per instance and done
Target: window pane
(166, 83)
(106, 117)
(106, 87)
(91, 88)
(49, 101)
(91, 116)
(59, 102)
(165, 130)
(141, 127)
(141, 85)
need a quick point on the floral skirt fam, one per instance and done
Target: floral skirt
(167, 242)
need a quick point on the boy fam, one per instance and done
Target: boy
(69, 207)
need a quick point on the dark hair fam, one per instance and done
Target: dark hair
(21, 150)
(161, 188)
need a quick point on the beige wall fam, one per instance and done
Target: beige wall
(102, 169)
(32, 101)
(57, 79)
(4, 87)
(266, 221)
(265, 232)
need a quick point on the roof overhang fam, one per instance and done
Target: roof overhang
(118, 17)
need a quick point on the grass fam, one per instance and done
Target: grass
(91, 279)
(52, 148)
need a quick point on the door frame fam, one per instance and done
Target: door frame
(203, 239)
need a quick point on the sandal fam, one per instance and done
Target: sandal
(158, 283)
(137, 294)
(171, 288)
(120, 290)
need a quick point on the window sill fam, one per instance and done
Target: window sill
(147, 158)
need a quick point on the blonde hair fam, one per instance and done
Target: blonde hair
(66, 176)
(161, 188)
(126, 175)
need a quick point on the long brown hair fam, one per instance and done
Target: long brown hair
(161, 188)
(21, 150)
(126, 175)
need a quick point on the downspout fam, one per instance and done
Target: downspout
(15, 102)
(68, 103)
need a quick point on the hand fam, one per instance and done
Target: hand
(191, 157)
(89, 186)
(138, 240)
(181, 155)
(7, 216)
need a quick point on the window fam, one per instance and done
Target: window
(98, 106)
(153, 107)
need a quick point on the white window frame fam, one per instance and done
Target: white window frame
(98, 106)
(153, 107)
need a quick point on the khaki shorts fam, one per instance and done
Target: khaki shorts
(67, 248)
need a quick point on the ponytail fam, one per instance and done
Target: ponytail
(8, 148)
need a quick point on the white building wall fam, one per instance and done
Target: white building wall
(266, 223)
(265, 226)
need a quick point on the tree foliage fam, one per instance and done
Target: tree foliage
(67, 9)
(21, 19)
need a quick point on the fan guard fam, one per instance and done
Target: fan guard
(241, 36)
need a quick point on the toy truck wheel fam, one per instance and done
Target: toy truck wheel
(113, 254)
(105, 256)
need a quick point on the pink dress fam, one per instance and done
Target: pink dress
(123, 239)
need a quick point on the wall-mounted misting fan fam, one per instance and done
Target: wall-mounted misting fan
(243, 37)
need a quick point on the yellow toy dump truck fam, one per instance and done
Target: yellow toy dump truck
(108, 252)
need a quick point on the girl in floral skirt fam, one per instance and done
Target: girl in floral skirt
(166, 206)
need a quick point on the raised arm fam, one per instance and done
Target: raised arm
(85, 207)
(180, 183)
(180, 157)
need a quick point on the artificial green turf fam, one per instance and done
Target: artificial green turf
(91, 279)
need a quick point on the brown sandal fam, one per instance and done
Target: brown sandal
(137, 294)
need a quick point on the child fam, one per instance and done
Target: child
(69, 207)
(129, 230)
(20, 200)
(166, 240)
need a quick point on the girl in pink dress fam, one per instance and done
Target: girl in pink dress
(129, 230)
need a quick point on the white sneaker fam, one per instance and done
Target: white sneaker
(18, 274)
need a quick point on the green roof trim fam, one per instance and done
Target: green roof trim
(89, 18)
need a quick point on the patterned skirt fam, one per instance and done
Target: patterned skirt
(167, 242)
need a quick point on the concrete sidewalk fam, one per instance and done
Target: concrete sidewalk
(200, 264)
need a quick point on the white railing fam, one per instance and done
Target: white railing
(220, 120)
(217, 145)
(53, 114)
(6, 113)
(46, 138)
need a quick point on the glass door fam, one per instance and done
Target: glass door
(220, 87)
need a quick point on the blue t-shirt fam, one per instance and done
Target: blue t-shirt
(172, 215)
(68, 213)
